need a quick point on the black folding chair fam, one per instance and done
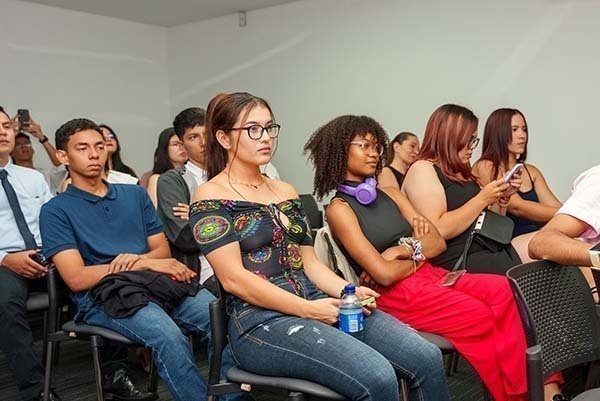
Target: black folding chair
(242, 380)
(58, 295)
(560, 321)
(313, 214)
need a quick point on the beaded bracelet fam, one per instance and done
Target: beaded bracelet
(416, 247)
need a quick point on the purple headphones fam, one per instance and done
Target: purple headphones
(365, 193)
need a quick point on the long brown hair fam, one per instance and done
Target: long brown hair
(449, 130)
(497, 135)
(222, 113)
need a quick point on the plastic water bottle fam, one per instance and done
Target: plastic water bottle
(351, 315)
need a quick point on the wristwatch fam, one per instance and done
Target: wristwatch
(44, 139)
(595, 258)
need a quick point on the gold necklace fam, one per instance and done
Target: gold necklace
(236, 181)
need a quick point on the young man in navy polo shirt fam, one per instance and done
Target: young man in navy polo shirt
(94, 229)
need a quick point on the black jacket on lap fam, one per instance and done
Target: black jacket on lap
(122, 294)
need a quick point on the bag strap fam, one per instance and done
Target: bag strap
(462, 260)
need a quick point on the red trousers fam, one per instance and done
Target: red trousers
(478, 315)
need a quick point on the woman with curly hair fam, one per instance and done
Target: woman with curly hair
(389, 244)
(504, 145)
(282, 301)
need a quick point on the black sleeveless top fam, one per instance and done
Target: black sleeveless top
(381, 222)
(522, 224)
(399, 176)
(483, 257)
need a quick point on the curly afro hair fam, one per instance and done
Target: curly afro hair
(327, 149)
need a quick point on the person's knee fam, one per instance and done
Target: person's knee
(380, 382)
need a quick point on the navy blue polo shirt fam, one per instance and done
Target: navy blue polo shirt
(99, 227)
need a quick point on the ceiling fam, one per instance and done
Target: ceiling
(165, 13)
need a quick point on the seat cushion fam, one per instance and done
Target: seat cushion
(37, 301)
(303, 386)
(443, 344)
(86, 330)
(590, 395)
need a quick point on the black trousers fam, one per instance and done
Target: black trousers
(16, 340)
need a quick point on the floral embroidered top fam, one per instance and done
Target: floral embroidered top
(270, 245)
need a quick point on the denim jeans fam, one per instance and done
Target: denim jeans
(270, 343)
(172, 352)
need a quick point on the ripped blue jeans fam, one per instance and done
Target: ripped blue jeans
(270, 343)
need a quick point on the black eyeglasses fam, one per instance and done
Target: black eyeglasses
(256, 131)
(473, 142)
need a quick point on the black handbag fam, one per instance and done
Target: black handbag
(489, 226)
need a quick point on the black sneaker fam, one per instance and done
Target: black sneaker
(118, 386)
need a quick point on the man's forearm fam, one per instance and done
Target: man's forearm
(560, 248)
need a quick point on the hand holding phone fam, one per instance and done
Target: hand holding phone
(23, 117)
(516, 169)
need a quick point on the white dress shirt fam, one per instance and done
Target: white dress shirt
(32, 192)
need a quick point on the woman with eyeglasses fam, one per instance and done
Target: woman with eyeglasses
(504, 145)
(403, 150)
(388, 243)
(443, 188)
(169, 154)
(283, 303)
(113, 148)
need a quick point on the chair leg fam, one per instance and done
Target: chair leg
(45, 331)
(153, 378)
(404, 390)
(455, 358)
(48, 373)
(449, 361)
(96, 342)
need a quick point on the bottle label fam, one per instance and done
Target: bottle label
(352, 322)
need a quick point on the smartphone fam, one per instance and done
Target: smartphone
(451, 277)
(23, 117)
(367, 301)
(508, 176)
(39, 258)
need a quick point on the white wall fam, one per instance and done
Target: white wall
(62, 64)
(397, 61)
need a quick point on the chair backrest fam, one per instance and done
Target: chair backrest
(330, 254)
(558, 313)
(313, 214)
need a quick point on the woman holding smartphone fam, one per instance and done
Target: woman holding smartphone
(504, 145)
(282, 301)
(443, 188)
(389, 244)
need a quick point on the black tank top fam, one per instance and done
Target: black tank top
(483, 256)
(399, 176)
(457, 194)
(381, 222)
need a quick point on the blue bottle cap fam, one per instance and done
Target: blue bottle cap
(350, 288)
